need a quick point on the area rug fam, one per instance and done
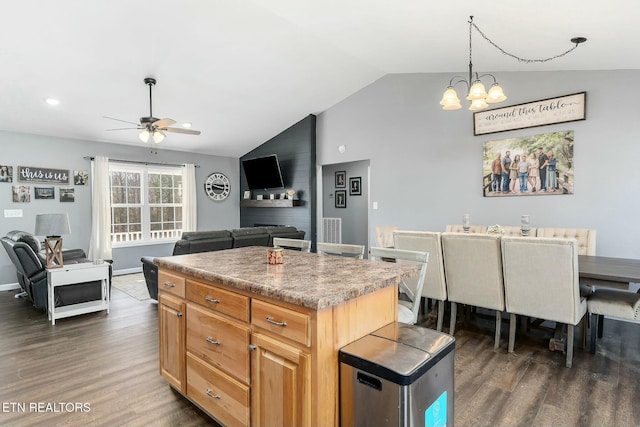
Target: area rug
(132, 285)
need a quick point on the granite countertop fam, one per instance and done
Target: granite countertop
(305, 279)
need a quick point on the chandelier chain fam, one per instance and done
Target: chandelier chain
(528, 61)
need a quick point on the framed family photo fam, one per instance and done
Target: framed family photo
(532, 165)
(341, 199)
(341, 179)
(355, 185)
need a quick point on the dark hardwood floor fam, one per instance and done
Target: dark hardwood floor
(110, 363)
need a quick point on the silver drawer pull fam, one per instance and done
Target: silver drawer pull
(212, 341)
(170, 285)
(275, 322)
(209, 299)
(209, 393)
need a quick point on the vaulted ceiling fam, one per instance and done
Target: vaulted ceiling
(242, 71)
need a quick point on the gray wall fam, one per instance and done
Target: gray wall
(354, 216)
(426, 163)
(296, 151)
(57, 153)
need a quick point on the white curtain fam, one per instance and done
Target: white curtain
(189, 199)
(100, 243)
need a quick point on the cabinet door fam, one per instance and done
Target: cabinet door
(281, 380)
(172, 335)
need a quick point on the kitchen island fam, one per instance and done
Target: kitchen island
(257, 344)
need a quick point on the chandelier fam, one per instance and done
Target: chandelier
(478, 95)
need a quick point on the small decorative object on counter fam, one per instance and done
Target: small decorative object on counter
(291, 194)
(275, 255)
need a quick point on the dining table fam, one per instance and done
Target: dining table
(608, 271)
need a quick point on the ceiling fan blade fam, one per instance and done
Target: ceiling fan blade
(119, 120)
(179, 130)
(123, 129)
(162, 123)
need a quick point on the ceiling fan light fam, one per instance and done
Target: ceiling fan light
(477, 91)
(495, 94)
(144, 136)
(158, 136)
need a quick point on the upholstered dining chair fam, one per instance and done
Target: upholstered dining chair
(458, 228)
(473, 272)
(541, 281)
(283, 242)
(407, 310)
(611, 303)
(384, 235)
(516, 230)
(342, 249)
(435, 286)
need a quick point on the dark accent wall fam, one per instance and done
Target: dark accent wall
(296, 151)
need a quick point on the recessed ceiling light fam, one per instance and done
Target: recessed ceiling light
(52, 101)
(186, 125)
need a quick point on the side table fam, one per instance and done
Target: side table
(72, 274)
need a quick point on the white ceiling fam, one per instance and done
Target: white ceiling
(242, 71)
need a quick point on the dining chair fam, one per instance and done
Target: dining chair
(473, 273)
(541, 281)
(342, 249)
(283, 242)
(434, 284)
(611, 303)
(458, 228)
(516, 230)
(384, 235)
(407, 310)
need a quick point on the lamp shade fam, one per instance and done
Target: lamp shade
(495, 94)
(158, 136)
(144, 135)
(52, 225)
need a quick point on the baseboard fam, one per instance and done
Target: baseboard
(127, 271)
(9, 286)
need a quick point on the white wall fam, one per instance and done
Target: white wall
(426, 164)
(59, 153)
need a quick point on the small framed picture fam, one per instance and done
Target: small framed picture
(341, 179)
(247, 195)
(272, 196)
(81, 177)
(6, 173)
(283, 196)
(67, 195)
(259, 197)
(355, 186)
(341, 199)
(44, 192)
(21, 194)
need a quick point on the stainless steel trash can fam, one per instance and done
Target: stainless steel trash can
(400, 375)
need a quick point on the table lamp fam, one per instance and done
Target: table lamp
(53, 226)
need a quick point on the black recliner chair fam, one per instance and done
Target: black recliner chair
(24, 251)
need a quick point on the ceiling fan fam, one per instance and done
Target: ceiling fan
(153, 127)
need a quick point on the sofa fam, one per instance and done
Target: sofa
(25, 253)
(207, 241)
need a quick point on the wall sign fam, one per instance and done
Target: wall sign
(568, 108)
(34, 174)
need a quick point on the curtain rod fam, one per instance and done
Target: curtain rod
(138, 162)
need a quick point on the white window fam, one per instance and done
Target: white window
(146, 203)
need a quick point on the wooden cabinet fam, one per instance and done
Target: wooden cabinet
(172, 332)
(247, 359)
(281, 388)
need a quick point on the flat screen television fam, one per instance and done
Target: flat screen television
(263, 173)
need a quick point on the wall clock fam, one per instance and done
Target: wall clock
(217, 186)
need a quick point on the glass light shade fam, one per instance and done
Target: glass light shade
(477, 91)
(158, 136)
(144, 136)
(495, 94)
(450, 100)
(478, 104)
(52, 225)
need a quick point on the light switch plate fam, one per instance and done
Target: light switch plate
(13, 213)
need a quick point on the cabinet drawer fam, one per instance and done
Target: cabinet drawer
(219, 300)
(224, 398)
(221, 342)
(171, 283)
(281, 321)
